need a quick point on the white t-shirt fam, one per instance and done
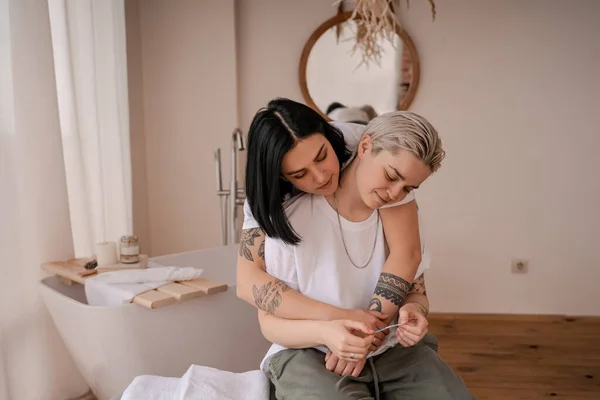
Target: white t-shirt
(352, 135)
(319, 267)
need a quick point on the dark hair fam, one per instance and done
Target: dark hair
(334, 106)
(274, 131)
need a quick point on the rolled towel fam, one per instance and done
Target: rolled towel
(155, 274)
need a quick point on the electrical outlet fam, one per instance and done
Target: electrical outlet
(519, 266)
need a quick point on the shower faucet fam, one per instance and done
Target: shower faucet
(228, 203)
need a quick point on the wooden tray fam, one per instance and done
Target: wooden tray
(141, 264)
(73, 271)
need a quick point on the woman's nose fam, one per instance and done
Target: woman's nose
(395, 192)
(320, 177)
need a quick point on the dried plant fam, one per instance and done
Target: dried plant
(376, 20)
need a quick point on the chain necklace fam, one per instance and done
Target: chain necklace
(344, 241)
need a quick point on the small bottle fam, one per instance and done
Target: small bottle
(130, 249)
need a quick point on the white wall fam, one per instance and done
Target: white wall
(188, 109)
(270, 37)
(141, 223)
(513, 88)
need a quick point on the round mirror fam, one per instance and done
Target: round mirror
(336, 82)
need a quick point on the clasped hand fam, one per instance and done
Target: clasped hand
(349, 341)
(412, 329)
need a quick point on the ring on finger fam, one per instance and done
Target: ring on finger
(352, 356)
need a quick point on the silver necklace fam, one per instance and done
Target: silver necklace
(344, 241)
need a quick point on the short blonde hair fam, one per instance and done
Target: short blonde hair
(409, 131)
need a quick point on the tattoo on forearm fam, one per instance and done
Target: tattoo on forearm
(418, 286)
(268, 297)
(247, 241)
(375, 305)
(392, 287)
(422, 309)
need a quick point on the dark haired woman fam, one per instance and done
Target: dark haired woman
(320, 151)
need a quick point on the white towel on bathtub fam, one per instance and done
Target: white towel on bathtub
(117, 287)
(152, 274)
(206, 383)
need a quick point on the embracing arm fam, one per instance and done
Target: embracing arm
(340, 336)
(256, 287)
(290, 333)
(401, 228)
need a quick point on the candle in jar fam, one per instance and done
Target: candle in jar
(130, 249)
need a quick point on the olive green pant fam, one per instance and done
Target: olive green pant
(415, 373)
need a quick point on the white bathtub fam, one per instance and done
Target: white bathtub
(112, 345)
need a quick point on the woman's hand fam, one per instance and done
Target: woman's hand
(374, 320)
(348, 340)
(413, 325)
(344, 368)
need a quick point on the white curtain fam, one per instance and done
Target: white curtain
(88, 39)
(34, 212)
(56, 192)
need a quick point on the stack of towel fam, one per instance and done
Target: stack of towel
(118, 287)
(200, 382)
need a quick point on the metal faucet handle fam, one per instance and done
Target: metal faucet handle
(218, 169)
(239, 140)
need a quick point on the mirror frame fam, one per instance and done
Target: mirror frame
(403, 104)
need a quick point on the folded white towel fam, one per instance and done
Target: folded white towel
(149, 387)
(154, 274)
(207, 383)
(118, 287)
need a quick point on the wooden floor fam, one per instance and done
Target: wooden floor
(522, 357)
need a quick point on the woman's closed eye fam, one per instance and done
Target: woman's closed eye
(322, 158)
(407, 189)
(389, 178)
(299, 176)
(318, 160)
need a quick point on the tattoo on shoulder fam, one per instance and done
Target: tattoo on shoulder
(418, 286)
(247, 241)
(261, 250)
(375, 305)
(268, 297)
(392, 287)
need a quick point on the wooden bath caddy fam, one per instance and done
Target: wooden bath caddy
(73, 271)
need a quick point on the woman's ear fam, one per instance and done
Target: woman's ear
(365, 145)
